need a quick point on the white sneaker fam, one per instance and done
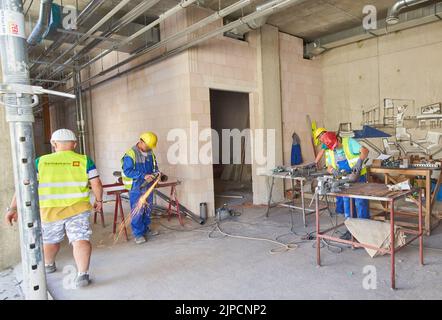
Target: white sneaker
(140, 240)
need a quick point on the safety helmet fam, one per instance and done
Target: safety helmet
(150, 139)
(318, 132)
(63, 135)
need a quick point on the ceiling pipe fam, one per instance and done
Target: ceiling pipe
(84, 15)
(198, 25)
(409, 19)
(393, 13)
(125, 20)
(91, 31)
(273, 6)
(42, 26)
(203, 22)
(162, 17)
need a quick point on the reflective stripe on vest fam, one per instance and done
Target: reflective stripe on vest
(137, 157)
(351, 157)
(63, 179)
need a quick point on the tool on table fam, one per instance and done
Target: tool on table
(297, 171)
(327, 184)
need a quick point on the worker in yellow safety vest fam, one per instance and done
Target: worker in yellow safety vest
(345, 155)
(139, 169)
(64, 178)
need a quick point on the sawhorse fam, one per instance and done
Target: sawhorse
(118, 209)
(173, 201)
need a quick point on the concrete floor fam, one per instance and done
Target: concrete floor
(10, 286)
(190, 265)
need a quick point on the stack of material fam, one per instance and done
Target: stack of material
(375, 233)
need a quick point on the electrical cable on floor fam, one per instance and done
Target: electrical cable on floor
(309, 236)
(283, 247)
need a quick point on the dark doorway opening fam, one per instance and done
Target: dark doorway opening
(232, 181)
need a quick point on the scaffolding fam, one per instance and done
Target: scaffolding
(19, 98)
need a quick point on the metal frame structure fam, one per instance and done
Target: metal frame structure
(290, 204)
(19, 99)
(431, 220)
(360, 191)
(19, 115)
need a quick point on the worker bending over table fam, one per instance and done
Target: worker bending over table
(345, 156)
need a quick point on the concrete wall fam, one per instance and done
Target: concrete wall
(401, 65)
(225, 64)
(9, 236)
(301, 92)
(176, 92)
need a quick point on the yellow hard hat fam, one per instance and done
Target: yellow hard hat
(150, 139)
(318, 132)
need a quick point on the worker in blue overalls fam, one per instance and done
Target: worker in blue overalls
(345, 155)
(140, 169)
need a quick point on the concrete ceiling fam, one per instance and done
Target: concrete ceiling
(156, 10)
(311, 19)
(308, 19)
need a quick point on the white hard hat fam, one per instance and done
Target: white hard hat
(63, 135)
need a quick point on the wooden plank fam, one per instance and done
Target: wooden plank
(405, 172)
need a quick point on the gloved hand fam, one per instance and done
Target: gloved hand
(357, 167)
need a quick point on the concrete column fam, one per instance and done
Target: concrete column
(9, 236)
(269, 115)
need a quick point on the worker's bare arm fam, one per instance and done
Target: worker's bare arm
(11, 214)
(97, 189)
(319, 156)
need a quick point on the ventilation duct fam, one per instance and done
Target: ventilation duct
(42, 27)
(393, 13)
(240, 31)
(409, 19)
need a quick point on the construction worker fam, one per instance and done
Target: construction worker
(63, 187)
(140, 169)
(345, 156)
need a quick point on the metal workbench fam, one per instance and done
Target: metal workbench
(291, 203)
(376, 192)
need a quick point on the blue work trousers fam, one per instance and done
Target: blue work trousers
(141, 220)
(361, 206)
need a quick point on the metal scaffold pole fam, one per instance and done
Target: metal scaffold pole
(18, 100)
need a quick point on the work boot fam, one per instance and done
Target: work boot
(82, 280)
(346, 236)
(140, 240)
(50, 268)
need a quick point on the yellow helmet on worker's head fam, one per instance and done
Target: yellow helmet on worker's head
(318, 132)
(150, 139)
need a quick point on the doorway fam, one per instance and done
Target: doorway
(232, 180)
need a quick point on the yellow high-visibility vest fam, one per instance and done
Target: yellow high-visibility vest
(352, 158)
(63, 180)
(136, 156)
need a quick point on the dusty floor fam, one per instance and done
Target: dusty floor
(9, 286)
(192, 265)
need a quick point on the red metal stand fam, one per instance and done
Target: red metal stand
(101, 216)
(377, 192)
(173, 207)
(118, 210)
(173, 198)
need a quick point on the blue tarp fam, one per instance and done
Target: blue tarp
(370, 132)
